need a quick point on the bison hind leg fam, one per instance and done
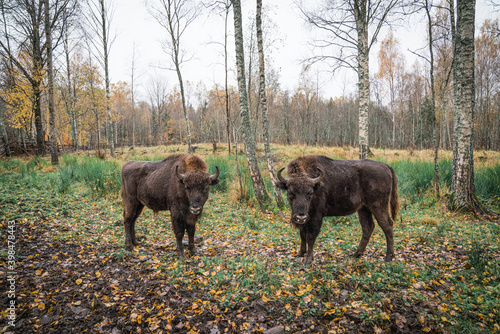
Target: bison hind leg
(130, 215)
(385, 222)
(367, 225)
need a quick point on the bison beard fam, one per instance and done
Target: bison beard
(320, 187)
(179, 183)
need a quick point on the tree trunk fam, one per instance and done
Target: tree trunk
(36, 83)
(433, 100)
(106, 76)
(3, 133)
(463, 145)
(50, 74)
(228, 114)
(263, 101)
(363, 78)
(184, 108)
(258, 183)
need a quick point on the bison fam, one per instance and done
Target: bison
(319, 187)
(179, 183)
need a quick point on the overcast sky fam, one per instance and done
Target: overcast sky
(133, 25)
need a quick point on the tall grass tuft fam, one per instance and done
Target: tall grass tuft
(416, 177)
(226, 169)
(487, 180)
(10, 164)
(102, 177)
(36, 164)
(66, 176)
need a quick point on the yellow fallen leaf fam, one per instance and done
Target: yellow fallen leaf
(97, 274)
(38, 272)
(78, 281)
(41, 306)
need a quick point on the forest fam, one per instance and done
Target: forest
(91, 112)
(67, 130)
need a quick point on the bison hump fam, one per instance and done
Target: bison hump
(187, 162)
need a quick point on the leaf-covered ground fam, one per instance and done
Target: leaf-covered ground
(73, 274)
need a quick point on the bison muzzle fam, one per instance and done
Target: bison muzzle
(179, 183)
(319, 187)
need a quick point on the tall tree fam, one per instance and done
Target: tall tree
(3, 133)
(227, 7)
(347, 24)
(132, 95)
(258, 183)
(50, 82)
(175, 16)
(25, 48)
(463, 159)
(17, 43)
(99, 14)
(391, 70)
(263, 102)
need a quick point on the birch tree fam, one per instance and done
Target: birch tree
(263, 104)
(463, 161)
(258, 183)
(348, 25)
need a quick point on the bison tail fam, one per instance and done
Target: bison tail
(394, 195)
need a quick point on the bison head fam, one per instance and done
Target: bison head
(300, 190)
(196, 185)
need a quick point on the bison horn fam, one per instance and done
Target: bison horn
(216, 175)
(179, 175)
(280, 177)
(320, 177)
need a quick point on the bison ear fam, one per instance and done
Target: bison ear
(281, 185)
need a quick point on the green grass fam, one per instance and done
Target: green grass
(447, 266)
(226, 169)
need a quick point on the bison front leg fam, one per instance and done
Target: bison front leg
(178, 227)
(367, 225)
(303, 236)
(191, 229)
(312, 233)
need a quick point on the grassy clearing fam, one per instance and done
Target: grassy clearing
(445, 278)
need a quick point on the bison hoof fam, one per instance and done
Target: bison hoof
(300, 254)
(307, 261)
(388, 258)
(357, 254)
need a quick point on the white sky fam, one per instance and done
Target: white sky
(133, 25)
